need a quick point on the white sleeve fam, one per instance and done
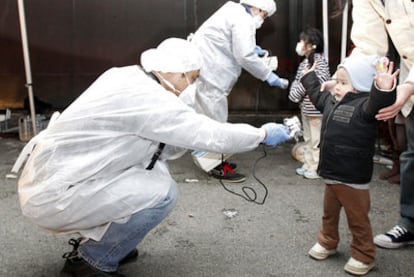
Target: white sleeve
(165, 118)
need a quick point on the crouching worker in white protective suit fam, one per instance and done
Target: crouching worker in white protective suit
(97, 172)
(227, 42)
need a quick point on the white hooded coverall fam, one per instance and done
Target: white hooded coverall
(88, 169)
(226, 41)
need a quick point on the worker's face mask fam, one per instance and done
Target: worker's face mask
(189, 90)
(188, 95)
(172, 87)
(299, 49)
(258, 21)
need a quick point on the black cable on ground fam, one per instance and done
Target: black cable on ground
(249, 194)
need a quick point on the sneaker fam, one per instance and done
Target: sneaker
(397, 237)
(356, 267)
(130, 257)
(300, 171)
(76, 266)
(319, 252)
(382, 160)
(311, 175)
(225, 172)
(232, 165)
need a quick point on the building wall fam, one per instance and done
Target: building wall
(74, 41)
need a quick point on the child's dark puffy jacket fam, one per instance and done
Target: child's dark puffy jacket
(348, 131)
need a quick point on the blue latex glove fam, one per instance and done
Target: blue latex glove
(275, 134)
(275, 81)
(259, 51)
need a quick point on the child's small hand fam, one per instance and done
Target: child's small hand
(384, 78)
(306, 69)
(328, 86)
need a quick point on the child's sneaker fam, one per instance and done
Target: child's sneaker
(356, 267)
(319, 252)
(311, 175)
(397, 237)
(300, 171)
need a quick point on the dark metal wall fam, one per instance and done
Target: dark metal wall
(73, 41)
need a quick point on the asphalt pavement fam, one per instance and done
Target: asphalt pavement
(212, 232)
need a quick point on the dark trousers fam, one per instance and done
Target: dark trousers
(407, 177)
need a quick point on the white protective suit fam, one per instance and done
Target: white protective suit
(226, 41)
(88, 169)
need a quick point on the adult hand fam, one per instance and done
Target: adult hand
(306, 69)
(275, 134)
(404, 92)
(259, 51)
(275, 81)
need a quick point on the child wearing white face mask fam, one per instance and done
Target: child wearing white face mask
(310, 46)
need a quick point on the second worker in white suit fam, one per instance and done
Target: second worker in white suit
(227, 42)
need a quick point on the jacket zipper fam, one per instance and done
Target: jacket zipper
(326, 127)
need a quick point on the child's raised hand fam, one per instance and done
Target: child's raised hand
(384, 78)
(306, 69)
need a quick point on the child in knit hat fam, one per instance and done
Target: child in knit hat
(347, 147)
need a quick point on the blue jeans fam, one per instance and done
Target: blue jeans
(407, 178)
(120, 239)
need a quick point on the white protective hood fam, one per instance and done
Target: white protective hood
(88, 169)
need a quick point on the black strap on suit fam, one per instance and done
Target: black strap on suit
(156, 156)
